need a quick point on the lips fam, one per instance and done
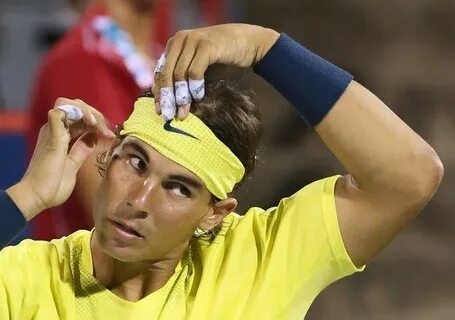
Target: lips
(126, 230)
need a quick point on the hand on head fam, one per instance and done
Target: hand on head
(179, 74)
(51, 174)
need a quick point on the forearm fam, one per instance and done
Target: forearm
(377, 148)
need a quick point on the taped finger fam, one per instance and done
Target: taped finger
(71, 112)
(167, 103)
(197, 88)
(160, 64)
(182, 93)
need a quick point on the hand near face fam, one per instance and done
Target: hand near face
(51, 174)
(179, 74)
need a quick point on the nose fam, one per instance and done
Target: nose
(141, 195)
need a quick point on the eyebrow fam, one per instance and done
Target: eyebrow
(178, 177)
(138, 149)
(190, 181)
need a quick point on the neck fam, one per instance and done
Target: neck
(131, 280)
(135, 19)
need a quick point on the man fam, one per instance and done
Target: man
(166, 242)
(116, 43)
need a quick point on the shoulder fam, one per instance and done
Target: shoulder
(306, 217)
(310, 200)
(309, 213)
(37, 275)
(32, 257)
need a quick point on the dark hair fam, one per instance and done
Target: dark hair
(231, 112)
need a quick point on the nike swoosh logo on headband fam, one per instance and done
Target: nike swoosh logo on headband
(167, 126)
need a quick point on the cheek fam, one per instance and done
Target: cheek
(114, 187)
(182, 215)
(120, 175)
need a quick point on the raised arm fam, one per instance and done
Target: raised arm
(392, 171)
(51, 174)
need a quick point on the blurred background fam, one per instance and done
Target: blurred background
(403, 51)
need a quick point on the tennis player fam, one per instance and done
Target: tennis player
(167, 243)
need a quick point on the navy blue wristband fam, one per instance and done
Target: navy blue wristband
(313, 85)
(12, 220)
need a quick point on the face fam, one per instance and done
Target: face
(149, 206)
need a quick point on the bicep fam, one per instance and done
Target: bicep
(367, 222)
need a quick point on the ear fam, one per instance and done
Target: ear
(220, 210)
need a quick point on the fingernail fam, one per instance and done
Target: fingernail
(167, 103)
(182, 94)
(197, 88)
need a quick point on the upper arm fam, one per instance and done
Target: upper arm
(368, 222)
(396, 171)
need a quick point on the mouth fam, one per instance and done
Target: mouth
(125, 231)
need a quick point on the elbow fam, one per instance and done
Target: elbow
(428, 177)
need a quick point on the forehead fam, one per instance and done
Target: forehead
(158, 160)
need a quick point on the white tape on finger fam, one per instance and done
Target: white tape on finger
(167, 103)
(71, 112)
(197, 88)
(182, 93)
(160, 64)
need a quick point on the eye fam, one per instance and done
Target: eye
(178, 189)
(137, 163)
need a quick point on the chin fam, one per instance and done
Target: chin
(117, 249)
(121, 253)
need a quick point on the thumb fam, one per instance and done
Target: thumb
(81, 149)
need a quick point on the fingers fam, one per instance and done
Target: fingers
(164, 75)
(91, 119)
(197, 88)
(179, 74)
(59, 136)
(182, 92)
(160, 63)
(81, 149)
(197, 69)
(71, 112)
(99, 125)
(167, 103)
